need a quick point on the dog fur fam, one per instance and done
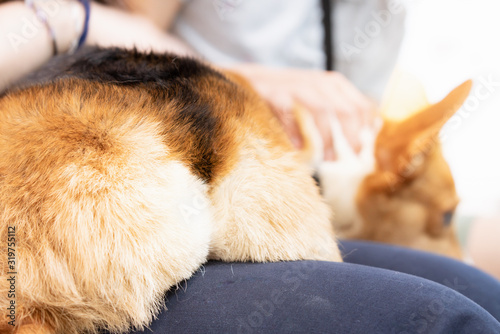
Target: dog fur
(124, 172)
(399, 189)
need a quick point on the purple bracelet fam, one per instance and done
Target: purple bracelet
(83, 36)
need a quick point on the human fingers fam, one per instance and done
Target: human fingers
(321, 110)
(282, 106)
(363, 105)
(347, 113)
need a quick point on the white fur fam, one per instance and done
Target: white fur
(340, 179)
(268, 209)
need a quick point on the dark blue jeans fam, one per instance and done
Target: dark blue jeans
(379, 289)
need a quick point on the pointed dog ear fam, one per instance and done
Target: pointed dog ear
(399, 143)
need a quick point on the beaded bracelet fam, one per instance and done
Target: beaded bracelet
(42, 16)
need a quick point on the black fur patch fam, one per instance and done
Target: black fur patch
(119, 66)
(165, 77)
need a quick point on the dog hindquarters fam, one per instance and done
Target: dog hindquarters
(269, 209)
(106, 221)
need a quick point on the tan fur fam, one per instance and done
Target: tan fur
(244, 197)
(92, 196)
(269, 175)
(411, 213)
(109, 214)
(404, 200)
(401, 196)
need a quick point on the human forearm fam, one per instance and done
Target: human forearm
(113, 27)
(20, 52)
(25, 42)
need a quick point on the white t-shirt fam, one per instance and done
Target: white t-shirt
(289, 33)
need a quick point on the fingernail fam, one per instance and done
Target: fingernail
(329, 155)
(357, 148)
(297, 142)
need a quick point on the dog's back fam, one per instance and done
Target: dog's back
(123, 172)
(92, 181)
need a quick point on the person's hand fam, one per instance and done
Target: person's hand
(323, 93)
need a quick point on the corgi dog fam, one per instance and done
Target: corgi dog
(121, 173)
(399, 188)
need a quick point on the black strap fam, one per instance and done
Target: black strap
(328, 36)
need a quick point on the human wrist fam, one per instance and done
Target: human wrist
(68, 24)
(65, 21)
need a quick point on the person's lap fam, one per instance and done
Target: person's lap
(319, 297)
(469, 281)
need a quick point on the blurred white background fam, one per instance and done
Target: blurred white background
(446, 43)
